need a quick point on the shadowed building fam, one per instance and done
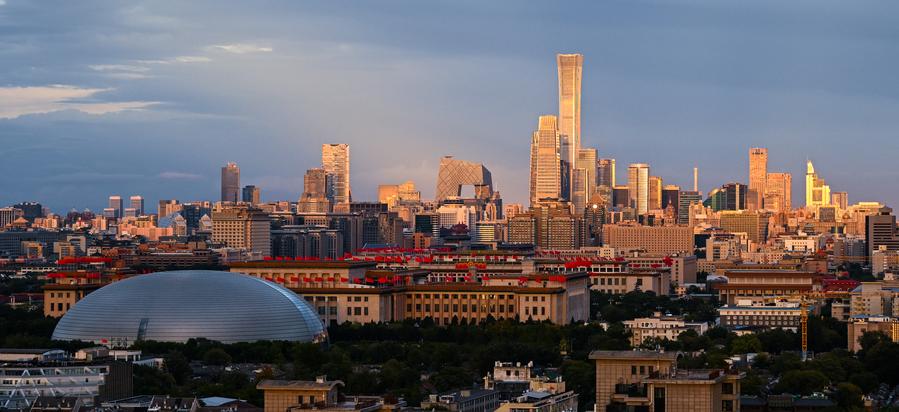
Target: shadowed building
(336, 162)
(231, 183)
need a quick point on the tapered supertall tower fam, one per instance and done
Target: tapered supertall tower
(570, 67)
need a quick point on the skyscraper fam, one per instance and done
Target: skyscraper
(336, 162)
(817, 192)
(778, 192)
(638, 187)
(670, 195)
(117, 206)
(605, 173)
(251, 194)
(570, 68)
(315, 187)
(231, 183)
(584, 179)
(685, 199)
(655, 193)
(758, 176)
(546, 161)
(137, 203)
(840, 199)
(455, 173)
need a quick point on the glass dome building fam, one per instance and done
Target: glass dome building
(180, 305)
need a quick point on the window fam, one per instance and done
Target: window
(633, 369)
(357, 311)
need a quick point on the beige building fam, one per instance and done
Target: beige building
(661, 327)
(242, 227)
(60, 297)
(638, 187)
(858, 326)
(779, 192)
(875, 299)
(547, 163)
(645, 280)
(757, 285)
(758, 177)
(652, 239)
(645, 380)
(754, 224)
(320, 395)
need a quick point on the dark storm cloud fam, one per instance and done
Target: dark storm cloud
(674, 84)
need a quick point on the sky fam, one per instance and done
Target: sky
(152, 98)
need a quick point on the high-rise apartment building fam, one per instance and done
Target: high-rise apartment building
(251, 194)
(779, 192)
(817, 192)
(655, 193)
(336, 162)
(758, 176)
(230, 183)
(584, 179)
(753, 223)
(137, 203)
(117, 206)
(638, 187)
(546, 161)
(605, 173)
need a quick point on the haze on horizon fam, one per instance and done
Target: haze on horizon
(152, 98)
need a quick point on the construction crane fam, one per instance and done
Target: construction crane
(806, 303)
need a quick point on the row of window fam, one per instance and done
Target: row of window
(463, 307)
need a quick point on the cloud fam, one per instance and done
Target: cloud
(172, 175)
(241, 48)
(118, 67)
(19, 101)
(178, 59)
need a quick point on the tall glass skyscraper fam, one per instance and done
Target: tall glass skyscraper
(758, 176)
(638, 187)
(336, 162)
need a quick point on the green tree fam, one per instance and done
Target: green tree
(848, 396)
(801, 382)
(216, 356)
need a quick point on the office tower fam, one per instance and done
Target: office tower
(546, 161)
(584, 179)
(778, 192)
(30, 210)
(167, 207)
(817, 192)
(251, 194)
(686, 199)
(314, 198)
(455, 173)
(621, 197)
(8, 215)
(570, 68)
(653, 239)
(137, 203)
(880, 231)
(670, 195)
(638, 187)
(730, 196)
(117, 206)
(605, 173)
(242, 227)
(336, 162)
(655, 193)
(758, 176)
(753, 223)
(230, 183)
(840, 200)
(394, 195)
(549, 226)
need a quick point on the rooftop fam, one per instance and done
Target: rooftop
(633, 355)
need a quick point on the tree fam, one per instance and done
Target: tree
(217, 357)
(177, 365)
(848, 396)
(745, 344)
(801, 382)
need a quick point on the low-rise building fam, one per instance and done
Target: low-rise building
(759, 285)
(465, 400)
(746, 314)
(661, 327)
(648, 380)
(859, 325)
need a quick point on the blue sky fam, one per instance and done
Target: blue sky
(152, 98)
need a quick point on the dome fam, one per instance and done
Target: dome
(180, 305)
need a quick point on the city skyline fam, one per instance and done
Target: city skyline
(634, 116)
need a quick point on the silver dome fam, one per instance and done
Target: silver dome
(180, 305)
